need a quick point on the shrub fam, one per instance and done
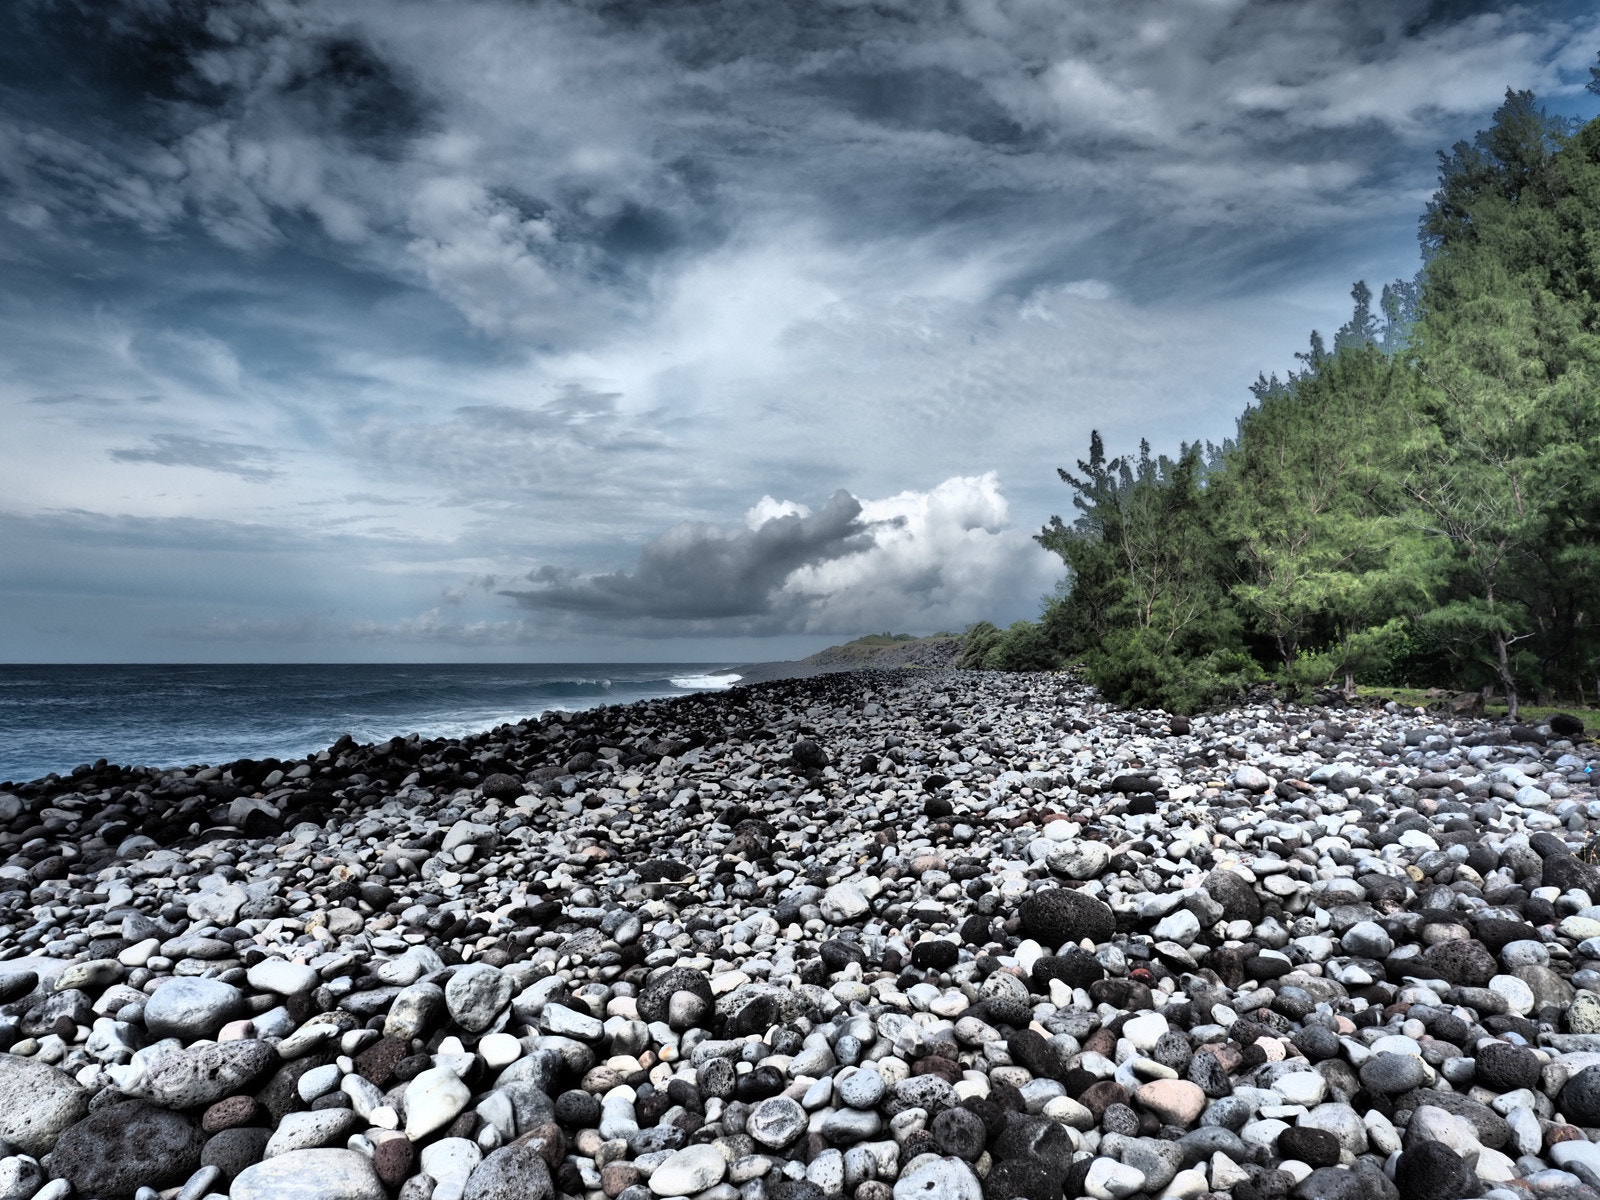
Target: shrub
(1132, 668)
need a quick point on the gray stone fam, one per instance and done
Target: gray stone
(40, 1102)
(928, 1092)
(414, 1011)
(776, 1122)
(863, 1089)
(232, 1150)
(940, 1179)
(1340, 1120)
(1389, 1074)
(20, 1177)
(188, 1078)
(1580, 1098)
(1366, 939)
(1157, 1161)
(960, 1134)
(218, 903)
(117, 1150)
(688, 1171)
(844, 903)
(655, 997)
(283, 977)
(191, 1008)
(1251, 779)
(514, 1172)
(847, 1126)
(1080, 860)
(308, 1130)
(434, 1099)
(476, 994)
(310, 1175)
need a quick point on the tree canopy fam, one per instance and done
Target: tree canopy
(1419, 503)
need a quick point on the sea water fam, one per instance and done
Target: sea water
(53, 718)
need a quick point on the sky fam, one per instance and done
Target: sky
(509, 330)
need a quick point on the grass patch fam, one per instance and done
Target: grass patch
(1531, 714)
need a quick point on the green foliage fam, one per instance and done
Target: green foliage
(1418, 505)
(1135, 668)
(1306, 501)
(1144, 555)
(976, 644)
(1022, 646)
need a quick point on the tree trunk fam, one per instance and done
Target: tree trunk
(1349, 686)
(1502, 658)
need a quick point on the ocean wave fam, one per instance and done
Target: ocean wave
(706, 683)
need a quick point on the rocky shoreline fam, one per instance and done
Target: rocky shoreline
(911, 935)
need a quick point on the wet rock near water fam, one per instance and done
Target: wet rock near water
(879, 935)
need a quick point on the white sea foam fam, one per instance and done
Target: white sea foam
(706, 683)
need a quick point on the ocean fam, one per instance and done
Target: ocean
(52, 718)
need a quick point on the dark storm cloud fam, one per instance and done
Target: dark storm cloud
(537, 278)
(660, 129)
(699, 573)
(177, 450)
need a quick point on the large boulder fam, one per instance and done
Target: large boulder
(1056, 916)
(40, 1103)
(118, 1150)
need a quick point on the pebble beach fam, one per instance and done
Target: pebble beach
(885, 935)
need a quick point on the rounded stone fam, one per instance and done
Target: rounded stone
(1330, 1183)
(578, 1109)
(434, 1099)
(501, 786)
(861, 1089)
(117, 1150)
(1314, 1147)
(1057, 916)
(1580, 1098)
(190, 1008)
(960, 1134)
(1077, 968)
(1390, 1074)
(1462, 961)
(476, 994)
(203, 1074)
(940, 1179)
(655, 997)
(1366, 939)
(936, 954)
(1505, 1068)
(323, 1174)
(1432, 1171)
(393, 1159)
(776, 1122)
(514, 1172)
(40, 1102)
(233, 1150)
(686, 1009)
(283, 977)
(1173, 1101)
(689, 1171)
(230, 1113)
(1236, 895)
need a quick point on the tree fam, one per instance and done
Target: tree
(1304, 497)
(1147, 576)
(1502, 453)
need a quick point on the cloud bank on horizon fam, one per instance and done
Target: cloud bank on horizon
(399, 329)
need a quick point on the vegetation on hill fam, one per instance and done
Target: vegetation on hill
(890, 650)
(1417, 504)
